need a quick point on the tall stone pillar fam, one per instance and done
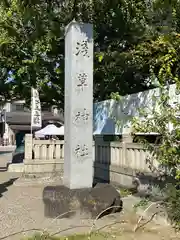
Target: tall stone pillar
(78, 155)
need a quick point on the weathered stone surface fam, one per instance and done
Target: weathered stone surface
(78, 137)
(89, 202)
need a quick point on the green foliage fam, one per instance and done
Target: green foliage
(93, 236)
(126, 35)
(164, 119)
(142, 204)
(41, 237)
(124, 192)
(173, 205)
(166, 152)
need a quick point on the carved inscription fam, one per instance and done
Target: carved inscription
(82, 48)
(81, 151)
(82, 81)
(81, 116)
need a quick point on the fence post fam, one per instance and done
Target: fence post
(98, 140)
(28, 147)
(126, 138)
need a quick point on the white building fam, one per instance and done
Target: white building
(15, 118)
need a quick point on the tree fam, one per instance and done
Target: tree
(32, 48)
(32, 44)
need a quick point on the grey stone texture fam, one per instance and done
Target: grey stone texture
(101, 200)
(78, 157)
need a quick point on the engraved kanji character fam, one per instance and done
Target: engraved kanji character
(82, 80)
(85, 115)
(84, 151)
(77, 116)
(82, 48)
(77, 150)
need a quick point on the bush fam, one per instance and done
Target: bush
(94, 236)
(173, 205)
(42, 237)
(166, 151)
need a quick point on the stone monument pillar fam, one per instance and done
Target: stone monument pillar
(78, 152)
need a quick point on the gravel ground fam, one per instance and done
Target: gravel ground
(21, 208)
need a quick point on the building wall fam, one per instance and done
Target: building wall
(17, 106)
(112, 117)
(9, 134)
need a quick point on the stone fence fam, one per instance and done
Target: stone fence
(118, 162)
(46, 150)
(121, 154)
(125, 155)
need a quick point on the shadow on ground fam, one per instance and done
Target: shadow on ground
(18, 158)
(3, 169)
(5, 185)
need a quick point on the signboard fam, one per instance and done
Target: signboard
(36, 118)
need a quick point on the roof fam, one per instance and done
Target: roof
(24, 118)
(20, 127)
(147, 133)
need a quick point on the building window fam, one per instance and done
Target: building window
(45, 109)
(17, 107)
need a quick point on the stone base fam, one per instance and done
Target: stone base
(28, 179)
(62, 202)
(43, 166)
(15, 167)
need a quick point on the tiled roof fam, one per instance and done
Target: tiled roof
(25, 117)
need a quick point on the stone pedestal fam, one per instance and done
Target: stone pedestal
(62, 202)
